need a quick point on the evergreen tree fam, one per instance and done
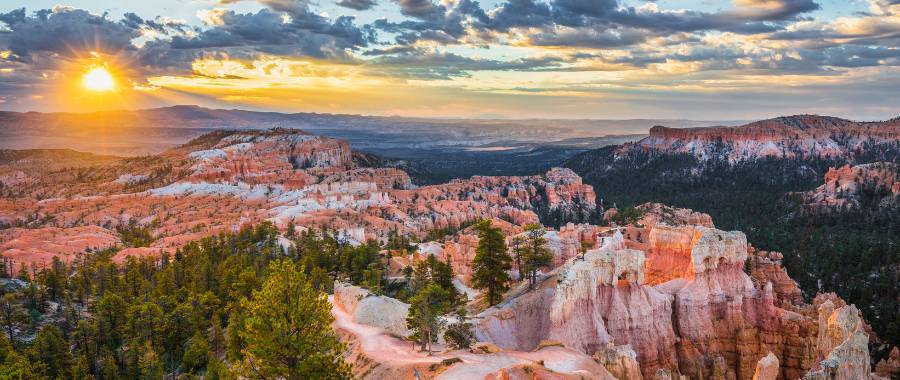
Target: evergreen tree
(459, 334)
(196, 354)
(517, 244)
(13, 317)
(535, 255)
(14, 366)
(288, 330)
(491, 263)
(421, 276)
(51, 350)
(426, 312)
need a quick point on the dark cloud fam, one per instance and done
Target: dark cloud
(245, 35)
(359, 5)
(292, 28)
(584, 23)
(433, 22)
(73, 33)
(590, 8)
(420, 8)
(590, 37)
(66, 31)
(876, 33)
(520, 13)
(442, 65)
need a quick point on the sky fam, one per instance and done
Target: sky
(606, 59)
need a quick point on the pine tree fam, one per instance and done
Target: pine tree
(14, 365)
(426, 312)
(13, 317)
(517, 244)
(51, 350)
(535, 255)
(288, 330)
(491, 263)
(196, 355)
(421, 276)
(459, 334)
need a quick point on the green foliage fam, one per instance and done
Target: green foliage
(491, 263)
(459, 334)
(14, 366)
(535, 254)
(399, 242)
(13, 317)
(136, 235)
(176, 316)
(196, 354)
(288, 330)
(430, 271)
(627, 215)
(50, 352)
(426, 312)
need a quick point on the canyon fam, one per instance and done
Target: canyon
(666, 296)
(225, 180)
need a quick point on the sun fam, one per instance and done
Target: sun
(98, 79)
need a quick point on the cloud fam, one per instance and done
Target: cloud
(266, 32)
(66, 31)
(561, 44)
(599, 37)
(422, 9)
(359, 5)
(431, 65)
(582, 23)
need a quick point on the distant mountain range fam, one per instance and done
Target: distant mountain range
(449, 148)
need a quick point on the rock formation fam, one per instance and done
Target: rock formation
(228, 179)
(620, 361)
(767, 368)
(843, 186)
(688, 310)
(369, 309)
(783, 137)
(666, 297)
(842, 345)
(889, 367)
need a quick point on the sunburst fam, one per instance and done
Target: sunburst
(98, 79)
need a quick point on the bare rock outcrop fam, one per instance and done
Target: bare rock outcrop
(842, 345)
(600, 300)
(684, 305)
(369, 309)
(620, 361)
(843, 187)
(767, 368)
(225, 180)
(889, 367)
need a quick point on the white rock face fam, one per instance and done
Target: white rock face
(843, 343)
(130, 179)
(592, 307)
(620, 361)
(767, 368)
(609, 266)
(717, 247)
(378, 311)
